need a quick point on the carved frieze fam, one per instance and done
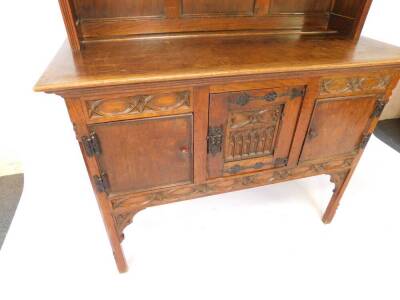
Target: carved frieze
(356, 84)
(125, 207)
(139, 104)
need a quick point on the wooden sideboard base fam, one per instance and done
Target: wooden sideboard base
(176, 100)
(126, 207)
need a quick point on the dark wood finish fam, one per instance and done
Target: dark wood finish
(222, 96)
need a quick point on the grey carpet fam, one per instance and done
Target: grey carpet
(388, 131)
(10, 192)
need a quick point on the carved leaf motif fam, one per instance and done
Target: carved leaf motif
(125, 207)
(354, 84)
(123, 220)
(259, 117)
(139, 104)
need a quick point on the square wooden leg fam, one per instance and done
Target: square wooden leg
(340, 179)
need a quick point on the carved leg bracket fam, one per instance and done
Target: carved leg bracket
(123, 219)
(340, 180)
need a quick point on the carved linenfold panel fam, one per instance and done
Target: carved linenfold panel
(252, 133)
(139, 104)
(125, 207)
(356, 84)
(250, 143)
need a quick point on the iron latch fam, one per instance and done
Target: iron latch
(215, 139)
(91, 144)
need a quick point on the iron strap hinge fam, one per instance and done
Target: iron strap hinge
(365, 140)
(215, 139)
(297, 92)
(101, 182)
(281, 161)
(379, 107)
(91, 144)
(244, 98)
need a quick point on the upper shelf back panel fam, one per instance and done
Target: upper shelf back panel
(212, 7)
(92, 9)
(109, 19)
(300, 6)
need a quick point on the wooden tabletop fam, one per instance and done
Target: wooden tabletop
(161, 59)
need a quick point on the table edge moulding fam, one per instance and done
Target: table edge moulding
(238, 94)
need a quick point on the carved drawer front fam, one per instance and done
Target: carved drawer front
(143, 154)
(251, 130)
(139, 106)
(375, 83)
(339, 126)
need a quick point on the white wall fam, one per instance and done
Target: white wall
(383, 24)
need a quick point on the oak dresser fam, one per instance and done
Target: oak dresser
(179, 99)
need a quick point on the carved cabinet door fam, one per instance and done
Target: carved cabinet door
(339, 126)
(251, 130)
(144, 154)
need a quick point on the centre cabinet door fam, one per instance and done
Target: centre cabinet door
(251, 130)
(144, 154)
